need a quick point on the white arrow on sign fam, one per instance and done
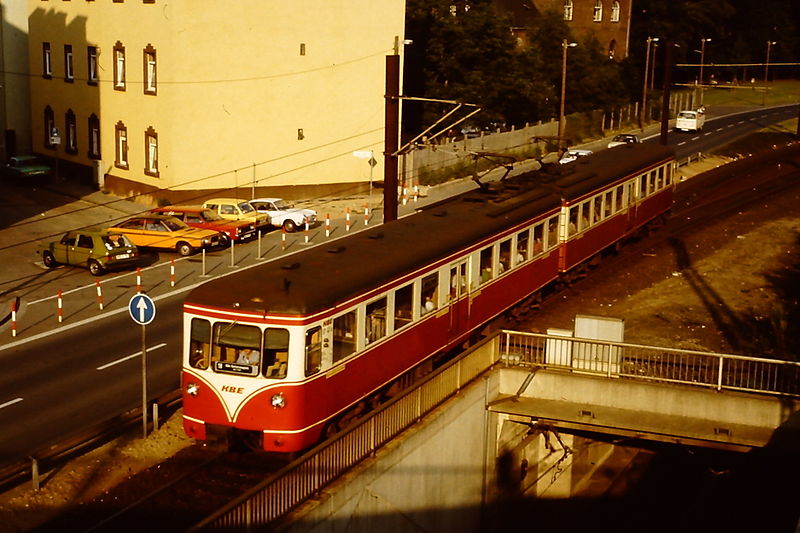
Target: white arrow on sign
(142, 307)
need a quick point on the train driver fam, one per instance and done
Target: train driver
(248, 356)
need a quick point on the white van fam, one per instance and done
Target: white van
(691, 120)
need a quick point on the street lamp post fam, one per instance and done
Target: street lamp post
(564, 45)
(703, 42)
(770, 44)
(643, 110)
(653, 64)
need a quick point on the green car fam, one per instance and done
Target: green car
(25, 166)
(97, 250)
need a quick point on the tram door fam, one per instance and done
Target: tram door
(458, 297)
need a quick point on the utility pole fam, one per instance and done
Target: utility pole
(391, 134)
(665, 96)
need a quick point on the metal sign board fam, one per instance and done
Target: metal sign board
(142, 309)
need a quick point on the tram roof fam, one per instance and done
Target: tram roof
(329, 274)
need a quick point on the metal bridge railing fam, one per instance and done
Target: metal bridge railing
(618, 359)
(307, 476)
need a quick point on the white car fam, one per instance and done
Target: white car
(573, 154)
(622, 139)
(284, 215)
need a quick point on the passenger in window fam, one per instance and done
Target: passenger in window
(538, 246)
(427, 307)
(248, 356)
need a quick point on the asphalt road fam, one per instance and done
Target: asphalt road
(59, 378)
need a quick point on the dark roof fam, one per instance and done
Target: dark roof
(321, 277)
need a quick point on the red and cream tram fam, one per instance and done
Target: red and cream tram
(281, 352)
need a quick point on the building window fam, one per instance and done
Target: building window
(91, 54)
(119, 66)
(568, 12)
(615, 11)
(69, 74)
(94, 137)
(121, 134)
(71, 141)
(151, 152)
(49, 126)
(598, 11)
(47, 61)
(149, 70)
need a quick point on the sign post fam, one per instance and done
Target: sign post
(143, 310)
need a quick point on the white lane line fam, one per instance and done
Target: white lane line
(131, 356)
(11, 402)
(718, 129)
(681, 143)
(695, 138)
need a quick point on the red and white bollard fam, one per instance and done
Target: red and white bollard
(305, 233)
(416, 193)
(99, 294)
(327, 225)
(405, 195)
(14, 318)
(366, 214)
(283, 239)
(60, 309)
(138, 279)
(171, 272)
(347, 218)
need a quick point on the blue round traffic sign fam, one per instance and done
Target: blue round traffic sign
(142, 309)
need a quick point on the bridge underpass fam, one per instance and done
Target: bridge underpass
(461, 455)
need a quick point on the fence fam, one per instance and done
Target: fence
(616, 359)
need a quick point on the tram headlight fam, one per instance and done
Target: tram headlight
(192, 389)
(278, 401)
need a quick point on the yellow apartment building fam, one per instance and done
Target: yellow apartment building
(181, 100)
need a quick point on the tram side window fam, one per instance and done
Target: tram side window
(652, 183)
(276, 352)
(429, 293)
(458, 280)
(403, 306)
(552, 233)
(619, 203)
(200, 343)
(486, 265)
(660, 178)
(238, 344)
(597, 210)
(573, 220)
(344, 335)
(642, 186)
(376, 320)
(609, 205)
(523, 238)
(313, 350)
(504, 262)
(668, 172)
(538, 239)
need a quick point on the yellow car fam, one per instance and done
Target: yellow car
(233, 209)
(163, 231)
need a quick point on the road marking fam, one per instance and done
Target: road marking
(681, 143)
(12, 402)
(718, 129)
(695, 138)
(137, 354)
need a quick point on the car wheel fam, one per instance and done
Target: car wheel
(289, 226)
(185, 249)
(95, 268)
(48, 260)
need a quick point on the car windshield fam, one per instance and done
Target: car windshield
(210, 215)
(174, 224)
(282, 204)
(246, 208)
(116, 241)
(686, 114)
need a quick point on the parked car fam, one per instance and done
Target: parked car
(25, 167)
(624, 138)
(691, 120)
(163, 231)
(97, 250)
(235, 209)
(283, 214)
(198, 216)
(573, 154)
